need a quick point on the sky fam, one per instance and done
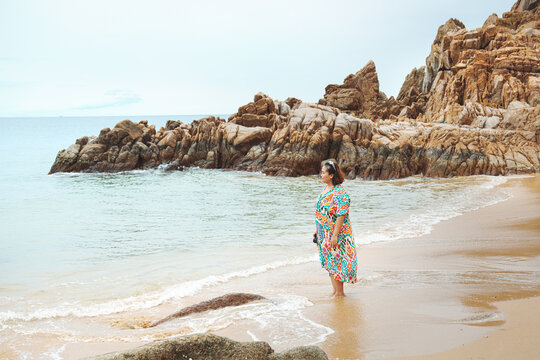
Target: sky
(164, 57)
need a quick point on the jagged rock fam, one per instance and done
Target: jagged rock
(212, 347)
(260, 112)
(434, 60)
(299, 145)
(360, 95)
(129, 128)
(412, 87)
(292, 102)
(491, 20)
(411, 97)
(282, 107)
(524, 5)
(491, 66)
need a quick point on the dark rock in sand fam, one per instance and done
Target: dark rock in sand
(212, 347)
(227, 300)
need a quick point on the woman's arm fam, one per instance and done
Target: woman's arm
(337, 229)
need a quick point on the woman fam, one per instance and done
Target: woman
(337, 248)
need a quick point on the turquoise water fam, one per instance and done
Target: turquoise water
(89, 245)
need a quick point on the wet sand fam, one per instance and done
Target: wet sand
(508, 232)
(516, 339)
(466, 290)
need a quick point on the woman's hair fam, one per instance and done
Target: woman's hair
(333, 169)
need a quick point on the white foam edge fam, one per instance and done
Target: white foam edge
(286, 310)
(425, 223)
(253, 337)
(56, 354)
(147, 301)
(266, 314)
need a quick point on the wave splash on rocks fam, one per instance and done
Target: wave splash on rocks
(474, 108)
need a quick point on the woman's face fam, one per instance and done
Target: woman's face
(325, 176)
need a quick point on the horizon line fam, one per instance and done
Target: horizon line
(86, 116)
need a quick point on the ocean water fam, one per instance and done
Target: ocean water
(81, 251)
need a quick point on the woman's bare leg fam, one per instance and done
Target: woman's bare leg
(339, 288)
(333, 285)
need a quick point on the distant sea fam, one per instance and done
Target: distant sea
(76, 249)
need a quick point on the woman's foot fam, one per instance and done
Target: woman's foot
(338, 289)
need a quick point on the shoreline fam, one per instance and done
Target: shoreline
(484, 241)
(514, 334)
(457, 276)
(517, 338)
(424, 295)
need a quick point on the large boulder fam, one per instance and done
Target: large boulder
(212, 347)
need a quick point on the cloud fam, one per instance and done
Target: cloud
(115, 98)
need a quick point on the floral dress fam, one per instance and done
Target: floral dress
(339, 262)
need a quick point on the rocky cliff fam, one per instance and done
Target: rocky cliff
(474, 108)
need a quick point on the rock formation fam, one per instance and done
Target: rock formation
(359, 95)
(523, 5)
(235, 299)
(474, 108)
(212, 347)
(492, 66)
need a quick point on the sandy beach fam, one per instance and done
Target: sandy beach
(508, 232)
(461, 292)
(504, 238)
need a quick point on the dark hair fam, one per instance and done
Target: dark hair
(333, 169)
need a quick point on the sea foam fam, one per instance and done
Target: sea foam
(145, 301)
(470, 198)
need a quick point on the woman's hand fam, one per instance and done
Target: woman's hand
(334, 241)
(337, 229)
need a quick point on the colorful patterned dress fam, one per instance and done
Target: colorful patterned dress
(339, 262)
